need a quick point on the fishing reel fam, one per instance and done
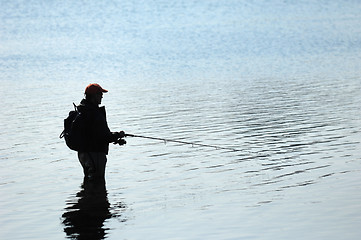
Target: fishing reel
(120, 141)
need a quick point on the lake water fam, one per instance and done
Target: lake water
(277, 80)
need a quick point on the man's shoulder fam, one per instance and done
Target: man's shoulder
(86, 106)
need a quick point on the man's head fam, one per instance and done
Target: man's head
(94, 93)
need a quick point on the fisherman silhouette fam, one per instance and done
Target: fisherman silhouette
(96, 134)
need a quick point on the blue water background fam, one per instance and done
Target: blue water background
(279, 80)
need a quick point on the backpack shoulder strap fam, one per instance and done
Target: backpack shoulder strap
(63, 132)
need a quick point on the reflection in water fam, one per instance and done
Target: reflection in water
(85, 215)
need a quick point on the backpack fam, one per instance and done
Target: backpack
(74, 129)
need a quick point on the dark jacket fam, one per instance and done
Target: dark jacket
(97, 135)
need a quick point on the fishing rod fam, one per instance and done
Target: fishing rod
(182, 142)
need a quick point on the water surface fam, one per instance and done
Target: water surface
(277, 80)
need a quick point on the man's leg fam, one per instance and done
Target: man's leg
(93, 164)
(86, 163)
(100, 161)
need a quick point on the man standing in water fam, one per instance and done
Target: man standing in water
(96, 134)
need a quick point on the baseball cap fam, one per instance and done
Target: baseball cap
(94, 88)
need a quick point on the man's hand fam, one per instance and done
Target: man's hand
(121, 134)
(116, 136)
(120, 141)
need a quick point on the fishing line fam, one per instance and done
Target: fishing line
(183, 142)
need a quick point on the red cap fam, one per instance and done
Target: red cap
(94, 88)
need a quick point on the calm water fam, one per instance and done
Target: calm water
(278, 80)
